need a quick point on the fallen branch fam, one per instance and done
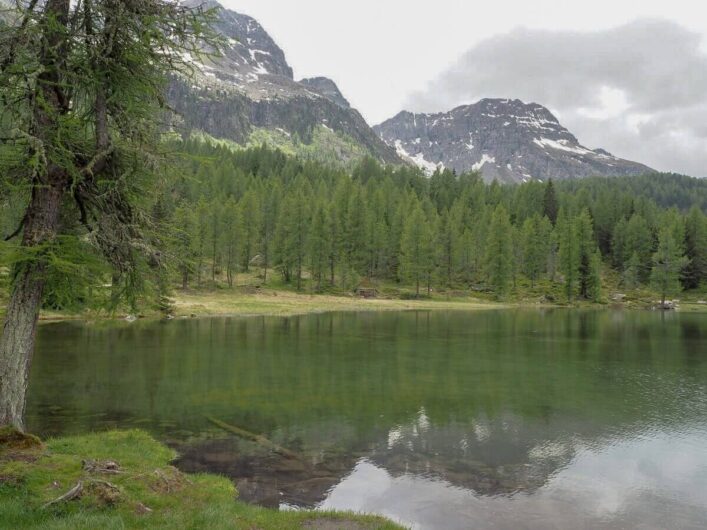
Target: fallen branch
(257, 438)
(72, 494)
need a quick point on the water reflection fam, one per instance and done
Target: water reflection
(442, 420)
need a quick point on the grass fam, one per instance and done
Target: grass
(250, 298)
(287, 303)
(145, 492)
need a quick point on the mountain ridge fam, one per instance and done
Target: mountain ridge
(506, 139)
(250, 88)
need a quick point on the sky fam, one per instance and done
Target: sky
(627, 76)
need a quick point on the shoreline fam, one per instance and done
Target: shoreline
(126, 479)
(283, 303)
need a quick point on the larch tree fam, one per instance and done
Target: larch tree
(668, 262)
(534, 248)
(183, 243)
(268, 216)
(551, 206)
(319, 245)
(696, 248)
(251, 219)
(499, 252)
(639, 240)
(415, 248)
(215, 236)
(231, 237)
(568, 253)
(589, 266)
(81, 90)
(447, 238)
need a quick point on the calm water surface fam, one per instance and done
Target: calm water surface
(515, 419)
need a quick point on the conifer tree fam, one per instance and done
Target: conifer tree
(668, 262)
(184, 243)
(551, 206)
(568, 252)
(291, 236)
(696, 249)
(415, 248)
(446, 248)
(587, 252)
(630, 277)
(319, 245)
(534, 248)
(215, 237)
(82, 85)
(250, 218)
(499, 252)
(268, 216)
(639, 240)
(231, 234)
(202, 231)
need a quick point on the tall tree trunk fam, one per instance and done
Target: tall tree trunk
(40, 227)
(17, 341)
(265, 261)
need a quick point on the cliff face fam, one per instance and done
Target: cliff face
(506, 140)
(251, 86)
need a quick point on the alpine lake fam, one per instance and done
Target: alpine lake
(439, 420)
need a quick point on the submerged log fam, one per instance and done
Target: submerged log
(257, 438)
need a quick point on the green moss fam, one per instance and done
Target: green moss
(146, 492)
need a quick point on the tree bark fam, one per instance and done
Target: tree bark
(17, 341)
(41, 225)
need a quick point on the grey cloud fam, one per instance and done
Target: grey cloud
(654, 69)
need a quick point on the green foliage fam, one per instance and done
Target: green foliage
(499, 252)
(568, 253)
(696, 249)
(416, 251)
(323, 228)
(668, 262)
(550, 205)
(228, 211)
(319, 244)
(81, 89)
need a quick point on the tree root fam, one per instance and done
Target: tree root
(73, 493)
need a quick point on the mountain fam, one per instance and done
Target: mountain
(506, 140)
(248, 95)
(327, 88)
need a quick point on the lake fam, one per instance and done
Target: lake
(452, 420)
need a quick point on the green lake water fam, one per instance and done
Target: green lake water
(449, 420)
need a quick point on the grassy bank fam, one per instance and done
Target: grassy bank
(251, 298)
(124, 480)
(286, 303)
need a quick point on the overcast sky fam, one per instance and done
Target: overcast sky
(628, 76)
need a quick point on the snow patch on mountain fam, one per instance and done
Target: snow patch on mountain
(506, 140)
(485, 159)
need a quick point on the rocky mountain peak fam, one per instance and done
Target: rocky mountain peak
(250, 88)
(328, 89)
(505, 139)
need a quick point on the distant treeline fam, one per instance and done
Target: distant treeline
(221, 212)
(232, 211)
